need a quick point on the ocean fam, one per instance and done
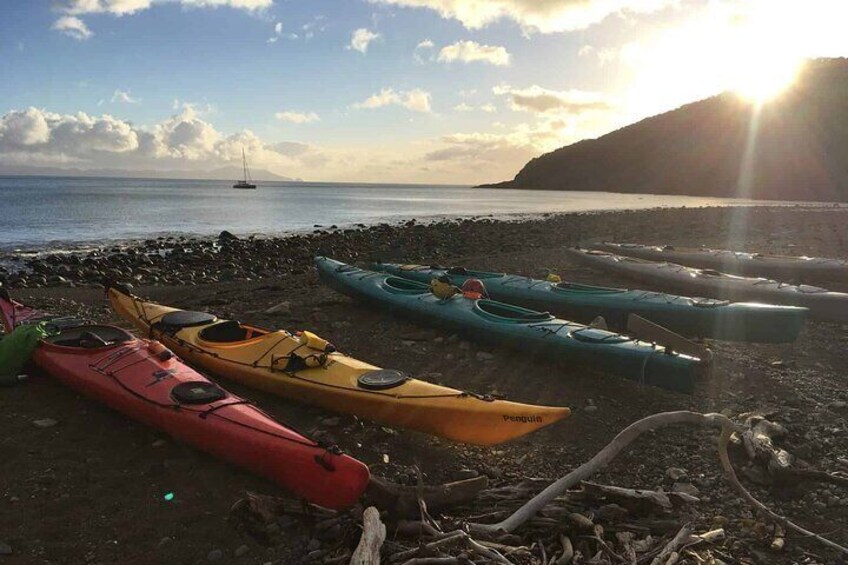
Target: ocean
(61, 212)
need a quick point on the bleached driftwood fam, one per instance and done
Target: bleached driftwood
(373, 536)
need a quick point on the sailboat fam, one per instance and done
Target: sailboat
(246, 181)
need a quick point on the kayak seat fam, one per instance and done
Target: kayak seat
(90, 337)
(197, 392)
(509, 312)
(228, 332)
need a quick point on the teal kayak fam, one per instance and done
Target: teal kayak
(527, 330)
(692, 317)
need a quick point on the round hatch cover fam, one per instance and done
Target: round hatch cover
(382, 379)
(197, 392)
(186, 319)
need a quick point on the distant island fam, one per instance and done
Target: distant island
(794, 147)
(221, 173)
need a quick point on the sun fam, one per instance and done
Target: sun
(765, 79)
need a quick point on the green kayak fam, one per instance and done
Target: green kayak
(693, 317)
(527, 330)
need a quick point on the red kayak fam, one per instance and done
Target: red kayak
(144, 380)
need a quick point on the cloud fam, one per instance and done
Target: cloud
(417, 100)
(297, 117)
(471, 51)
(541, 100)
(72, 27)
(124, 97)
(464, 107)
(361, 38)
(70, 24)
(278, 32)
(544, 16)
(423, 51)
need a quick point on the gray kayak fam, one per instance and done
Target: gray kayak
(823, 304)
(779, 267)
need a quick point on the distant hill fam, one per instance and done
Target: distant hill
(799, 149)
(222, 173)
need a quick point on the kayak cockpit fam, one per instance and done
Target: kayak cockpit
(483, 275)
(230, 331)
(507, 313)
(572, 287)
(90, 337)
(398, 285)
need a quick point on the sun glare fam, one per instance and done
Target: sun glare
(766, 79)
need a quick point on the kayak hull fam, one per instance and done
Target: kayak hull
(822, 304)
(526, 330)
(693, 317)
(780, 267)
(140, 379)
(336, 385)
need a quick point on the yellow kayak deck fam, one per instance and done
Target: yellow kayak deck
(303, 368)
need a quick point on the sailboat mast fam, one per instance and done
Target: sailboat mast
(244, 165)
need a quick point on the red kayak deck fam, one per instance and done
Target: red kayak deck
(145, 381)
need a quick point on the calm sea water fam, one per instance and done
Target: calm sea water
(42, 212)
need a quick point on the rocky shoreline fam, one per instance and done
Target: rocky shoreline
(69, 472)
(181, 260)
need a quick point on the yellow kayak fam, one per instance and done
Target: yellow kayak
(306, 368)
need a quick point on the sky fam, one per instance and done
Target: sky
(418, 91)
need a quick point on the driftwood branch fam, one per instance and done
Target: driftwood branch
(598, 462)
(724, 439)
(403, 501)
(373, 536)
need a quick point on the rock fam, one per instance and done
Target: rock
(5, 548)
(484, 356)
(241, 550)
(227, 236)
(283, 308)
(313, 545)
(464, 474)
(165, 541)
(331, 422)
(159, 443)
(45, 423)
(676, 474)
(685, 488)
(215, 555)
(590, 408)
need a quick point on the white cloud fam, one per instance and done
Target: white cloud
(423, 51)
(471, 51)
(465, 107)
(72, 27)
(417, 100)
(361, 38)
(124, 97)
(297, 117)
(538, 99)
(70, 24)
(278, 32)
(545, 16)
(585, 50)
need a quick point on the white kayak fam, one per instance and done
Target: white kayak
(823, 304)
(780, 267)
